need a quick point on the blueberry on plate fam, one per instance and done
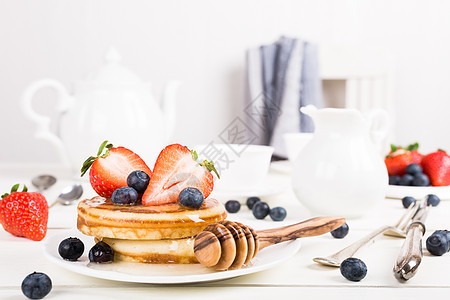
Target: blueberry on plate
(125, 196)
(420, 180)
(138, 180)
(36, 285)
(406, 201)
(406, 179)
(232, 206)
(433, 200)
(413, 169)
(438, 243)
(251, 201)
(394, 180)
(101, 253)
(191, 197)
(353, 269)
(71, 248)
(340, 232)
(278, 213)
(261, 210)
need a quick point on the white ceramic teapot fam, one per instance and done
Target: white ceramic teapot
(111, 104)
(340, 171)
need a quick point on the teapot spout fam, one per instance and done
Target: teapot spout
(309, 110)
(168, 107)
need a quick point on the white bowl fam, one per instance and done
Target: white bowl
(295, 142)
(241, 167)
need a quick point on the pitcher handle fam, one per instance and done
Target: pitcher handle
(379, 126)
(43, 122)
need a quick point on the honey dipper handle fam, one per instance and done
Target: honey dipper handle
(311, 227)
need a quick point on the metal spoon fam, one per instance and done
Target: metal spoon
(68, 195)
(43, 182)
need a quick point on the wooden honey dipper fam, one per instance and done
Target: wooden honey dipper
(230, 245)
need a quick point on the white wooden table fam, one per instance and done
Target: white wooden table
(296, 278)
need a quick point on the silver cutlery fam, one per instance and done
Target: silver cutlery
(43, 182)
(398, 230)
(410, 256)
(68, 195)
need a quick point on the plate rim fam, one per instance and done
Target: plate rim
(80, 267)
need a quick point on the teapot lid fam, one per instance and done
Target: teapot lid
(113, 73)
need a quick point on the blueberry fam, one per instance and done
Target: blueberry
(340, 232)
(394, 180)
(125, 195)
(438, 243)
(278, 213)
(446, 232)
(353, 269)
(420, 180)
(101, 253)
(251, 201)
(232, 206)
(433, 200)
(71, 248)
(191, 197)
(138, 180)
(260, 210)
(406, 180)
(413, 169)
(406, 201)
(36, 285)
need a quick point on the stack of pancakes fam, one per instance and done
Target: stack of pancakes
(149, 234)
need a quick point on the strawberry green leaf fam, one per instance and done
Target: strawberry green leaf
(194, 155)
(413, 147)
(15, 188)
(210, 166)
(90, 160)
(442, 150)
(393, 148)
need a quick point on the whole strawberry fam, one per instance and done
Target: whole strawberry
(437, 166)
(399, 158)
(109, 170)
(24, 213)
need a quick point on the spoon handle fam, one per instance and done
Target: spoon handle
(311, 227)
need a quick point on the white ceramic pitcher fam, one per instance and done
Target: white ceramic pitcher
(340, 171)
(112, 104)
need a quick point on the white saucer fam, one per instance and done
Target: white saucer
(281, 166)
(418, 192)
(272, 185)
(161, 273)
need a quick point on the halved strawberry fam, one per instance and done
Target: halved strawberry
(399, 158)
(24, 213)
(176, 168)
(109, 171)
(437, 166)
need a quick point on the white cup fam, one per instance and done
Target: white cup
(295, 142)
(241, 167)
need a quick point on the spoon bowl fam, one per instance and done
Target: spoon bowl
(43, 182)
(69, 194)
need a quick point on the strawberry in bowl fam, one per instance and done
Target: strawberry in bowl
(437, 166)
(399, 158)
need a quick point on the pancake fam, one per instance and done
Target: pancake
(99, 217)
(179, 251)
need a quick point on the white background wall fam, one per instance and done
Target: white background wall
(203, 43)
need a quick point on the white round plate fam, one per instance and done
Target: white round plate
(418, 192)
(272, 185)
(161, 273)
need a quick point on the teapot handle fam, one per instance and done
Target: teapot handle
(378, 126)
(43, 122)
